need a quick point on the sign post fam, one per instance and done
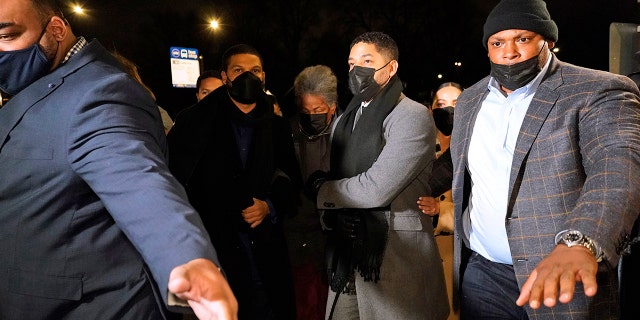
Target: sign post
(185, 67)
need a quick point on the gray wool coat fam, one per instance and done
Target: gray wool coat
(412, 285)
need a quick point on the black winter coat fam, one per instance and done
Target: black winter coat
(204, 156)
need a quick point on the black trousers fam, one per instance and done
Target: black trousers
(489, 291)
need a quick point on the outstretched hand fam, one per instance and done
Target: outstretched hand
(558, 273)
(201, 283)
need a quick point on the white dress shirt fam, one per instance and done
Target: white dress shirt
(490, 156)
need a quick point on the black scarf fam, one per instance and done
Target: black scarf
(353, 152)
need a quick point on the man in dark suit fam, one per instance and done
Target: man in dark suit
(237, 162)
(92, 224)
(546, 188)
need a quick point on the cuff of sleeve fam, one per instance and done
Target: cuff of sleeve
(272, 212)
(175, 301)
(323, 224)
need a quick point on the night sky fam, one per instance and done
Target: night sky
(292, 34)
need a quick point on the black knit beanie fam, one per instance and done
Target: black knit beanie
(531, 15)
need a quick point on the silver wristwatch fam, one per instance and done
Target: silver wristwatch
(576, 238)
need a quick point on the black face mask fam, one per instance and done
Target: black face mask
(245, 88)
(362, 84)
(22, 67)
(516, 75)
(444, 119)
(314, 125)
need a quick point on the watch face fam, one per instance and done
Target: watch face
(572, 237)
(576, 238)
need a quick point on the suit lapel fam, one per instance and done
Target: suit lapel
(469, 115)
(465, 115)
(537, 113)
(17, 106)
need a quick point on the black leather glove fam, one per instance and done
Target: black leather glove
(313, 184)
(347, 224)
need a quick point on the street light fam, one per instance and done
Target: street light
(213, 29)
(77, 9)
(213, 24)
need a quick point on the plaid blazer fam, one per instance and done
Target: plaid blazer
(575, 166)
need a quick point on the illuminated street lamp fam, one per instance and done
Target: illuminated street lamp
(213, 24)
(213, 29)
(77, 9)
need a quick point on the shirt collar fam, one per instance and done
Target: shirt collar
(81, 43)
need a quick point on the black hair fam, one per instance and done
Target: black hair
(208, 74)
(449, 84)
(434, 94)
(239, 49)
(383, 42)
(48, 8)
